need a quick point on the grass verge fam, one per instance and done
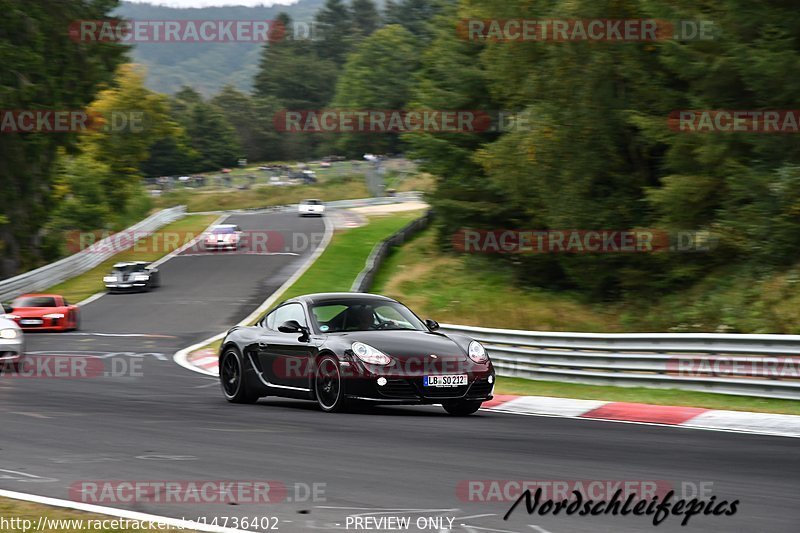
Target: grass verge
(148, 249)
(343, 259)
(463, 290)
(526, 387)
(65, 520)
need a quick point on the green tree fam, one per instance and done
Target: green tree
(334, 28)
(42, 69)
(134, 118)
(252, 118)
(378, 75)
(213, 137)
(365, 17)
(451, 77)
(293, 74)
(416, 15)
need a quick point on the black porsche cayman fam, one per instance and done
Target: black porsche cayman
(338, 348)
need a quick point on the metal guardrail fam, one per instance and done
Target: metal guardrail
(88, 258)
(751, 365)
(366, 277)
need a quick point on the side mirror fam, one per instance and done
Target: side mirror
(7, 308)
(432, 324)
(293, 326)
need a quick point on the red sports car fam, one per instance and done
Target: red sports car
(45, 312)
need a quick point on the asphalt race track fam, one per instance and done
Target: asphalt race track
(167, 423)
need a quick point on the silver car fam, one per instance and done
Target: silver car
(12, 344)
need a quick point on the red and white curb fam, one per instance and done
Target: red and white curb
(663, 415)
(637, 413)
(208, 360)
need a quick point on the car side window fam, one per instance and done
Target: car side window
(269, 321)
(290, 312)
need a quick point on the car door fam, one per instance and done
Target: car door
(285, 360)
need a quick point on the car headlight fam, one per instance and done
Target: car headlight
(8, 333)
(477, 352)
(54, 315)
(140, 277)
(370, 355)
(109, 279)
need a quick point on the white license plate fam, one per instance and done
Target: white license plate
(30, 322)
(455, 380)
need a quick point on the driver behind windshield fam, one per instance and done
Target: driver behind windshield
(361, 318)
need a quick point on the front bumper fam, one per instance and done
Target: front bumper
(222, 245)
(11, 350)
(131, 286)
(401, 389)
(41, 324)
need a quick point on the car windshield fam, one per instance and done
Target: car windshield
(363, 315)
(34, 301)
(129, 268)
(223, 230)
(312, 202)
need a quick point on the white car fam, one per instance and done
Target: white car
(311, 208)
(224, 236)
(12, 344)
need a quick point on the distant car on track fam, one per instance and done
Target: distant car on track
(337, 348)
(132, 276)
(224, 236)
(311, 208)
(44, 312)
(12, 344)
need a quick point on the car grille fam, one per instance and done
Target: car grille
(480, 389)
(398, 388)
(411, 389)
(444, 392)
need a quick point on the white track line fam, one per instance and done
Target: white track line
(181, 356)
(119, 513)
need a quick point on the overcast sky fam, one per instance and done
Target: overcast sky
(206, 3)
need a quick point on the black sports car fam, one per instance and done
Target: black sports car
(132, 276)
(338, 348)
